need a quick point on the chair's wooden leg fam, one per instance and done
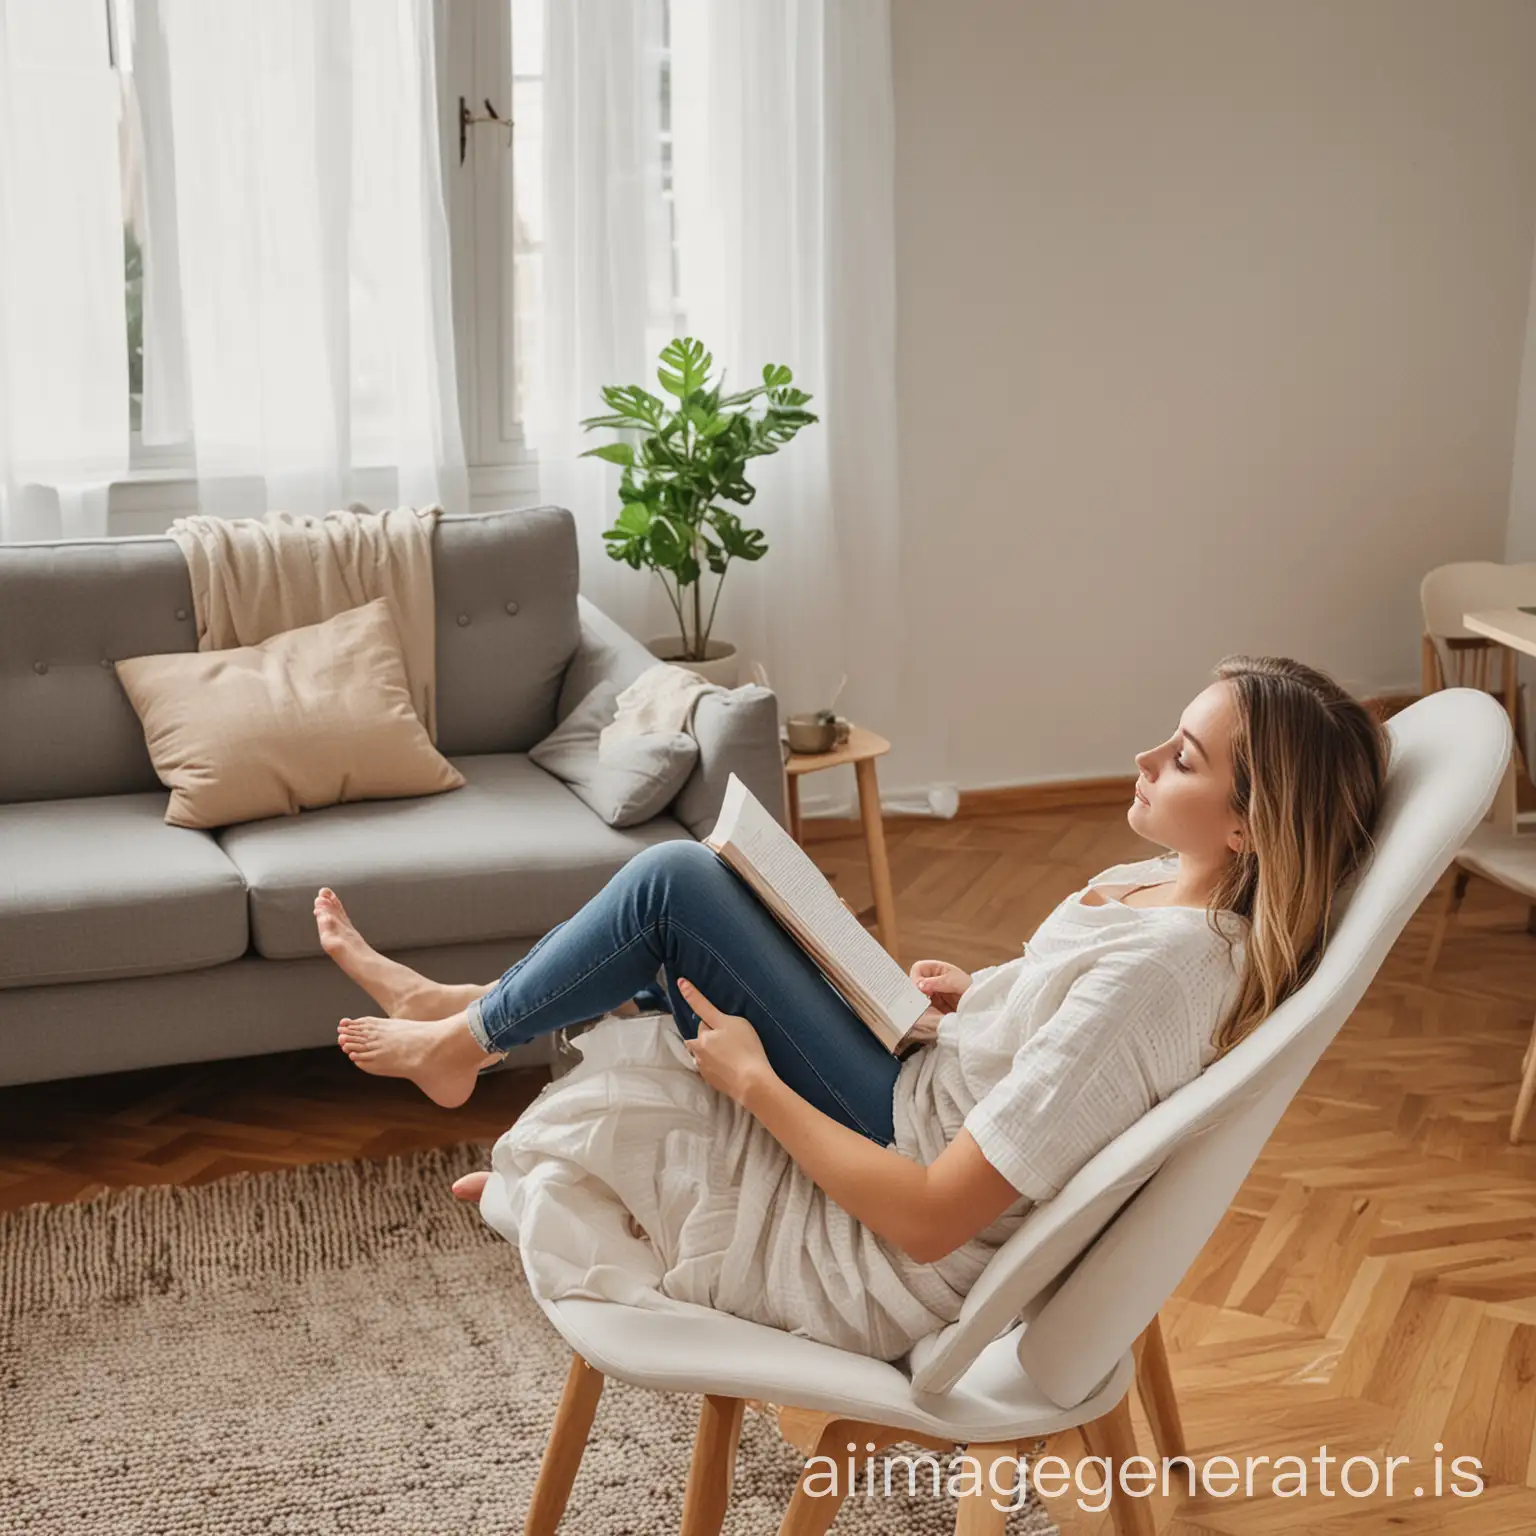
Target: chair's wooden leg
(1113, 1437)
(811, 1513)
(984, 1512)
(713, 1466)
(800, 1427)
(1448, 909)
(1155, 1384)
(1527, 1090)
(562, 1456)
(1429, 667)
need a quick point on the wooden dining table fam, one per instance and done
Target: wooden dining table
(1513, 627)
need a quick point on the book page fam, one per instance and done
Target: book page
(852, 951)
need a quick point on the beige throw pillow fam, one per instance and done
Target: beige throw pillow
(311, 717)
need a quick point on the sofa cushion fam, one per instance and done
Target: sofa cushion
(508, 856)
(505, 587)
(507, 626)
(101, 888)
(67, 612)
(635, 779)
(309, 717)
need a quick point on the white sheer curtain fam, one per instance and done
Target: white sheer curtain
(297, 310)
(782, 127)
(783, 121)
(63, 324)
(606, 269)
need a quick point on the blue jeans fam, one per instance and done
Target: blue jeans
(678, 909)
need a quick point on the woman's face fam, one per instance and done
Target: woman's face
(1184, 791)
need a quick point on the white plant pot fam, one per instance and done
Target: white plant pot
(721, 663)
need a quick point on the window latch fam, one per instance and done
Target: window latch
(466, 118)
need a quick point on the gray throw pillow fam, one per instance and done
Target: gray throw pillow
(643, 773)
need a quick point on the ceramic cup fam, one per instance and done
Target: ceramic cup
(810, 734)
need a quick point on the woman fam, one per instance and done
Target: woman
(804, 1177)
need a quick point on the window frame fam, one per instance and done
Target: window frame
(474, 59)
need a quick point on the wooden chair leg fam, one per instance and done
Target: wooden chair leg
(713, 1466)
(1155, 1384)
(1429, 667)
(1449, 907)
(985, 1511)
(1527, 1090)
(567, 1441)
(811, 1513)
(1113, 1437)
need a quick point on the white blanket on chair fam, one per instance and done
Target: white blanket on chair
(731, 1222)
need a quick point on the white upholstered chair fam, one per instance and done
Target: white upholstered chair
(1047, 1339)
(1455, 656)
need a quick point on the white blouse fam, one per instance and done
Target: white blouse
(1052, 1055)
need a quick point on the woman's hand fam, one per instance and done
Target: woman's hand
(729, 1054)
(944, 983)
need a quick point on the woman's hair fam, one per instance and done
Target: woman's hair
(1309, 764)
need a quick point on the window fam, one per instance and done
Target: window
(490, 53)
(493, 201)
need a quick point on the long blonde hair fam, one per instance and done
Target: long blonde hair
(1309, 765)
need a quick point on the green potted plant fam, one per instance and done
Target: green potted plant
(682, 461)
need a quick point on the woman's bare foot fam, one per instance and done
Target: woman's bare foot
(440, 1056)
(396, 988)
(470, 1185)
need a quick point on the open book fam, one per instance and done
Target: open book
(786, 881)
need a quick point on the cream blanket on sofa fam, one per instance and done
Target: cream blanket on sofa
(255, 577)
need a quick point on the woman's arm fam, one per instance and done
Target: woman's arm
(927, 1212)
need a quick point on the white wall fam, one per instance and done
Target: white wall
(1212, 315)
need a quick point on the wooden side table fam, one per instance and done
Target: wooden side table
(861, 749)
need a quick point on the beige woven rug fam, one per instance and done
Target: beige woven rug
(337, 1348)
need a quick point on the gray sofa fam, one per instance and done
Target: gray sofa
(126, 943)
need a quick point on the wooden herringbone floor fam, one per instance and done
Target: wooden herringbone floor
(1372, 1290)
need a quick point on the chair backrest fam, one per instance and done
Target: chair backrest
(1449, 591)
(1090, 1268)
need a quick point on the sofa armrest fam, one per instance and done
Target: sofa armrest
(606, 652)
(737, 732)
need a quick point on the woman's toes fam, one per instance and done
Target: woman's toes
(357, 1034)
